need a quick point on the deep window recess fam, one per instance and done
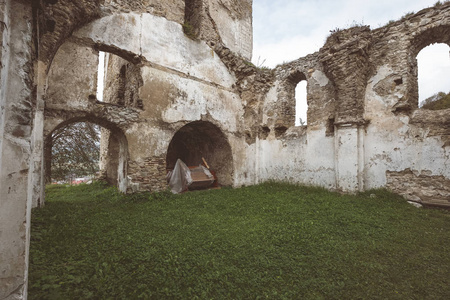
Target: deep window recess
(100, 75)
(192, 18)
(301, 105)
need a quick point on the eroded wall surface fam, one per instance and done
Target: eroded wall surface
(363, 110)
(16, 142)
(181, 67)
(363, 121)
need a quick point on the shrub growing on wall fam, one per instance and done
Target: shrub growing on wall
(438, 101)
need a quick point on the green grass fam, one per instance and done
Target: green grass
(274, 241)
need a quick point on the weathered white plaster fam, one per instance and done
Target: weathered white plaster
(159, 41)
(71, 81)
(320, 160)
(269, 102)
(303, 157)
(15, 150)
(246, 159)
(236, 31)
(347, 149)
(362, 133)
(320, 78)
(173, 99)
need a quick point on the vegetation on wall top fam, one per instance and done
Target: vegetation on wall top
(438, 101)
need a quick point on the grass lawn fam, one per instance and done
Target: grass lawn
(274, 241)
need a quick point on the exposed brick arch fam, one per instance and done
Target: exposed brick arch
(429, 36)
(437, 34)
(59, 19)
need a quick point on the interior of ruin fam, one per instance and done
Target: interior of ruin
(179, 84)
(202, 140)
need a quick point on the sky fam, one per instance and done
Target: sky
(286, 30)
(100, 75)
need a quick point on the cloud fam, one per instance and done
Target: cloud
(289, 29)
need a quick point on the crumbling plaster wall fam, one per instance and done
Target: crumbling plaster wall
(17, 121)
(72, 78)
(342, 83)
(233, 20)
(229, 19)
(406, 148)
(298, 154)
(122, 82)
(182, 81)
(364, 128)
(148, 34)
(70, 97)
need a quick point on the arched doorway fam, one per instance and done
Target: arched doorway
(113, 150)
(198, 140)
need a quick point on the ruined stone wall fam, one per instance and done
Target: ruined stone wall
(103, 159)
(423, 187)
(364, 129)
(252, 85)
(148, 174)
(233, 20)
(321, 92)
(172, 10)
(363, 121)
(72, 86)
(412, 33)
(169, 87)
(122, 82)
(299, 154)
(400, 138)
(112, 79)
(16, 141)
(72, 78)
(224, 21)
(171, 101)
(345, 57)
(70, 97)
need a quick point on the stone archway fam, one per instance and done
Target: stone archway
(113, 150)
(198, 140)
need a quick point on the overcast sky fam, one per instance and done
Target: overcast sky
(285, 30)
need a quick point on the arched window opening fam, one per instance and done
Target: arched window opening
(82, 150)
(434, 76)
(297, 107)
(301, 105)
(202, 140)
